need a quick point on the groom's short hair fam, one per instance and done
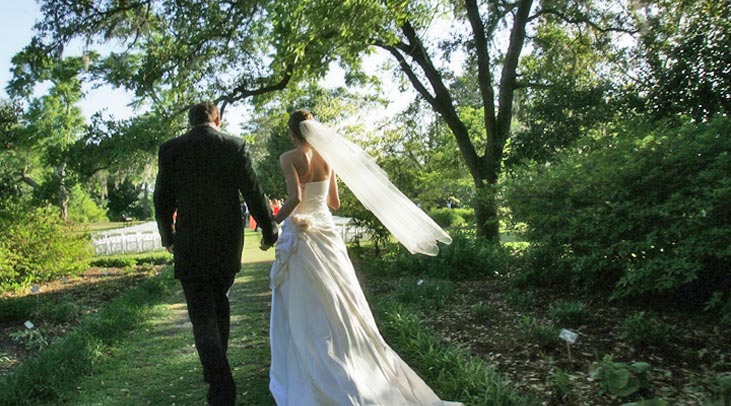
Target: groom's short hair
(202, 113)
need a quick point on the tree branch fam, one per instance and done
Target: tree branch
(580, 20)
(406, 68)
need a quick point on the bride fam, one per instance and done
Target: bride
(326, 347)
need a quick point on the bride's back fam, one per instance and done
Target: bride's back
(309, 165)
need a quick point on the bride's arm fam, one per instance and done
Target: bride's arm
(294, 191)
(333, 197)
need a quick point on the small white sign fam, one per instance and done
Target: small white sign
(419, 282)
(64, 280)
(35, 289)
(568, 336)
(28, 324)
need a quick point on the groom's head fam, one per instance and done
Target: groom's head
(203, 113)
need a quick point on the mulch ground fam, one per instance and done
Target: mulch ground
(681, 368)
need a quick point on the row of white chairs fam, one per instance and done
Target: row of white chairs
(126, 240)
(145, 237)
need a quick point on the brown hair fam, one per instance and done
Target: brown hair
(295, 119)
(202, 113)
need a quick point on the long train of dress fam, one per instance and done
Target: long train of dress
(326, 347)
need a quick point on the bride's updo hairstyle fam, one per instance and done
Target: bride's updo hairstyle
(295, 119)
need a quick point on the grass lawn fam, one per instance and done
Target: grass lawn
(158, 365)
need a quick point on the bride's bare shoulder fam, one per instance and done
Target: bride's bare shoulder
(288, 156)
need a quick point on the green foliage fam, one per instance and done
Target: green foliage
(37, 246)
(525, 300)
(660, 225)
(574, 313)
(113, 262)
(17, 308)
(561, 384)
(426, 294)
(647, 402)
(131, 260)
(551, 118)
(466, 258)
(720, 388)
(123, 201)
(686, 50)
(57, 312)
(454, 372)
(645, 330)
(82, 209)
(457, 217)
(619, 378)
(32, 339)
(545, 335)
(482, 311)
(720, 303)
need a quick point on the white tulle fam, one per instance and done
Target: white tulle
(408, 223)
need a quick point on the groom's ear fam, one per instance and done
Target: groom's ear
(218, 121)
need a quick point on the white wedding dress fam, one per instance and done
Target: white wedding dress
(325, 346)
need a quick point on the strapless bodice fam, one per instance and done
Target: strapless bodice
(314, 198)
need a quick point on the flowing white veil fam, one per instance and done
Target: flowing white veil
(370, 184)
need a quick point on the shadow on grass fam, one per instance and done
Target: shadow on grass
(157, 364)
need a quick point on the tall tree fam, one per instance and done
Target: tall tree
(52, 122)
(177, 52)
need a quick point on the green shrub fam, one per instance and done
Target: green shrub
(643, 330)
(38, 246)
(720, 303)
(572, 313)
(17, 308)
(83, 209)
(720, 388)
(545, 335)
(525, 300)
(467, 258)
(561, 385)
(62, 312)
(113, 262)
(427, 294)
(481, 311)
(129, 261)
(447, 217)
(621, 379)
(639, 209)
(32, 339)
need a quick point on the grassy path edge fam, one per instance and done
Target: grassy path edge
(51, 374)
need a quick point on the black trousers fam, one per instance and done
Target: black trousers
(210, 314)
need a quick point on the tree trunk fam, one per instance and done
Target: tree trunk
(146, 201)
(63, 193)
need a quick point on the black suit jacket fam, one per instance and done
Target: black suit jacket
(201, 175)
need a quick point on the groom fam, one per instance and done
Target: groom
(200, 176)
